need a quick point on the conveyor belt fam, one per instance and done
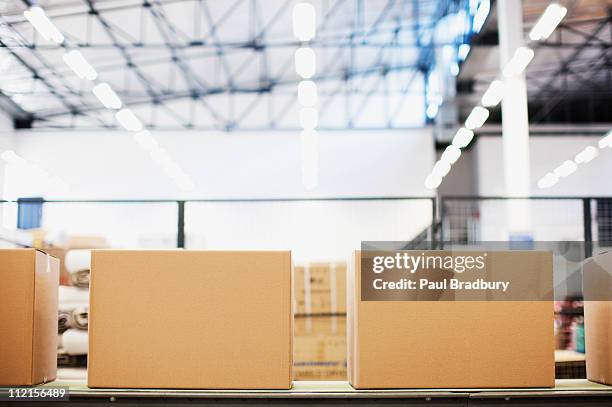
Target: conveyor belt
(566, 393)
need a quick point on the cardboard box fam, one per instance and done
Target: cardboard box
(28, 317)
(451, 344)
(60, 254)
(190, 319)
(320, 289)
(597, 277)
(320, 348)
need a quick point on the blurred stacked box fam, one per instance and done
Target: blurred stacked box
(569, 365)
(569, 324)
(320, 322)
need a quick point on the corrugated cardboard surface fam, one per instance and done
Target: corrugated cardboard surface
(598, 320)
(190, 319)
(320, 288)
(320, 348)
(449, 344)
(28, 321)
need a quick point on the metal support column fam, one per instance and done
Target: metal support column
(180, 232)
(588, 232)
(515, 120)
(434, 223)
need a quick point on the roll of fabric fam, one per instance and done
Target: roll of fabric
(73, 296)
(78, 264)
(76, 260)
(75, 342)
(80, 318)
(64, 320)
(65, 360)
(80, 278)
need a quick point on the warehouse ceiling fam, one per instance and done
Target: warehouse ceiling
(570, 77)
(225, 64)
(229, 65)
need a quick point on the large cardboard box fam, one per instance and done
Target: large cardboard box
(28, 317)
(190, 319)
(451, 344)
(597, 278)
(320, 348)
(320, 289)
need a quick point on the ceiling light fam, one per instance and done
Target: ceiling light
(433, 181)
(77, 62)
(606, 141)
(10, 157)
(309, 138)
(432, 110)
(463, 137)
(160, 156)
(494, 94)
(304, 21)
(548, 181)
(451, 154)
(185, 183)
(310, 179)
(146, 140)
(173, 170)
(107, 96)
(307, 93)
(481, 15)
(586, 155)
(310, 158)
(519, 61)
(310, 173)
(463, 51)
(547, 23)
(38, 18)
(128, 120)
(477, 118)
(441, 168)
(309, 118)
(305, 62)
(565, 169)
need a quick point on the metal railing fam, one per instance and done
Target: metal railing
(453, 218)
(181, 210)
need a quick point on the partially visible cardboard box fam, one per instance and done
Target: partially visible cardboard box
(190, 319)
(452, 344)
(597, 278)
(320, 348)
(320, 288)
(29, 282)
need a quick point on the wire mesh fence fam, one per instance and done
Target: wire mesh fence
(474, 219)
